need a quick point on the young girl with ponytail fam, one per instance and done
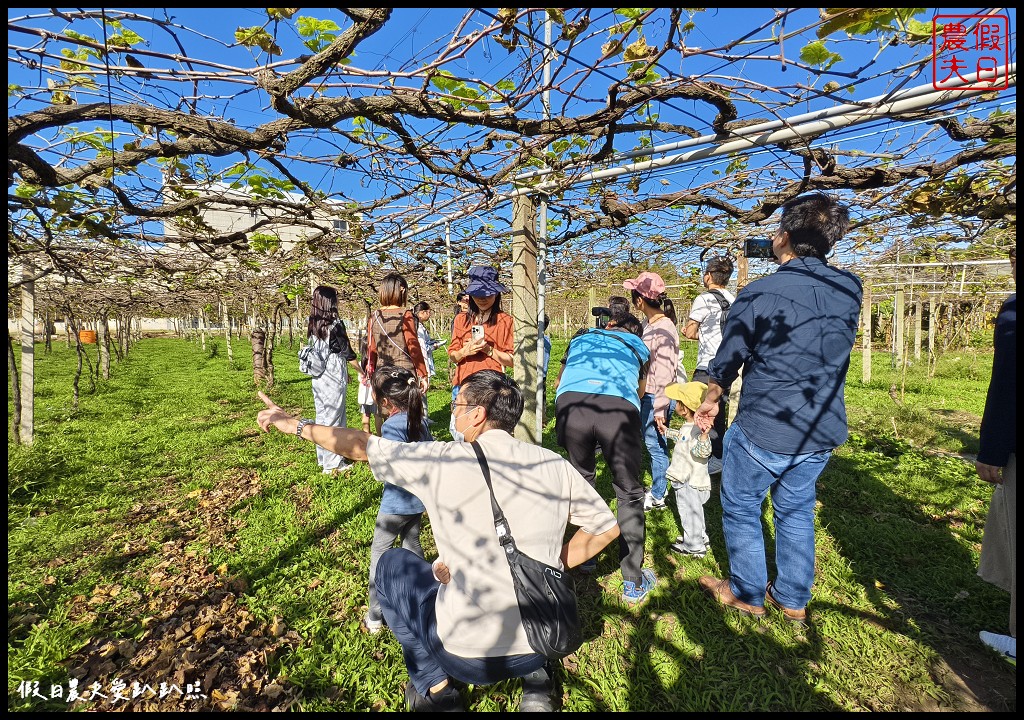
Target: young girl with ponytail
(399, 399)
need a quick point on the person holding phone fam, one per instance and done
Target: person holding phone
(791, 334)
(481, 337)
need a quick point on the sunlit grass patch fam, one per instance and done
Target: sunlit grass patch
(160, 506)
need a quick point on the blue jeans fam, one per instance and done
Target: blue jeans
(657, 447)
(407, 589)
(749, 473)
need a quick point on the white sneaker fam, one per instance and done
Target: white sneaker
(373, 626)
(1002, 644)
(707, 543)
(651, 504)
(714, 465)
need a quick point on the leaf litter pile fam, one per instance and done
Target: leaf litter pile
(208, 651)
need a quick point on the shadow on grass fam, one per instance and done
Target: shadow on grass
(720, 661)
(967, 439)
(38, 473)
(898, 551)
(296, 381)
(289, 552)
(714, 659)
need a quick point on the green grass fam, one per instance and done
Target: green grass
(156, 535)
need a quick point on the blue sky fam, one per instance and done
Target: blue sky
(413, 32)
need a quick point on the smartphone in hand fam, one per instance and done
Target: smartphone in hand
(477, 332)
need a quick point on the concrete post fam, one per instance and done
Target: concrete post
(524, 313)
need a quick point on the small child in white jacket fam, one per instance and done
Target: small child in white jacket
(688, 470)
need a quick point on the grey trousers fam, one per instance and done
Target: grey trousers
(389, 528)
(690, 504)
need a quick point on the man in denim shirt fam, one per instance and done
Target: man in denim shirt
(792, 333)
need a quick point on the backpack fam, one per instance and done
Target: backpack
(312, 358)
(313, 355)
(394, 354)
(724, 304)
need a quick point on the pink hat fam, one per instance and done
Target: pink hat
(648, 284)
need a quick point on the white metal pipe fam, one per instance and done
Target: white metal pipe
(448, 251)
(940, 264)
(898, 283)
(835, 111)
(789, 132)
(948, 293)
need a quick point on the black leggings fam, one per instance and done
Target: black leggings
(582, 422)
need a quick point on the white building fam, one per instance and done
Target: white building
(268, 215)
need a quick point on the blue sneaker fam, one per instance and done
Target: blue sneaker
(633, 594)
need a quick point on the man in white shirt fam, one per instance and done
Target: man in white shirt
(460, 618)
(704, 324)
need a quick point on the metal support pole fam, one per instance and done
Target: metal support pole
(448, 252)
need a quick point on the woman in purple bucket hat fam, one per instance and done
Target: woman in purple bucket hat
(482, 337)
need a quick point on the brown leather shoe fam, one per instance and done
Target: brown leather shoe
(797, 617)
(721, 592)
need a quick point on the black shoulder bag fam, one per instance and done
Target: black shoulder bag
(546, 595)
(724, 304)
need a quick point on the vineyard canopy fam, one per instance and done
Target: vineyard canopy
(357, 140)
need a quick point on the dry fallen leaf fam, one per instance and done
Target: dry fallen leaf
(200, 632)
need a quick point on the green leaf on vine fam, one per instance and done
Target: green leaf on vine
(816, 53)
(26, 190)
(264, 243)
(256, 36)
(612, 47)
(319, 33)
(639, 50)
(557, 15)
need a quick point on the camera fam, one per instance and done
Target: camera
(602, 315)
(758, 248)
